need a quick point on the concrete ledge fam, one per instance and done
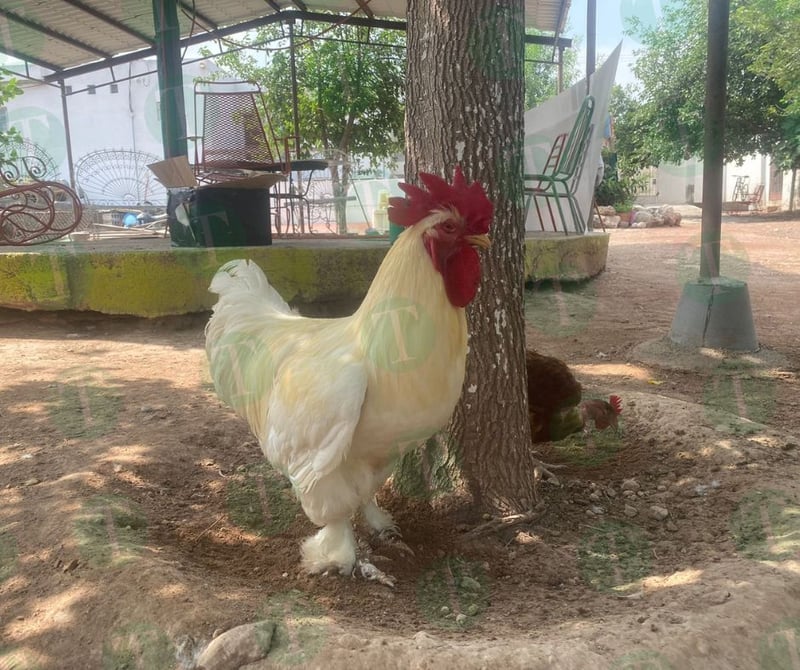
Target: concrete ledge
(149, 278)
(566, 258)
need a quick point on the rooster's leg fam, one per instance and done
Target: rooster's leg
(385, 527)
(332, 548)
(379, 519)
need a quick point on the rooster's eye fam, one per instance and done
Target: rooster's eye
(448, 227)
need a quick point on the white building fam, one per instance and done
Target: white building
(121, 120)
(683, 183)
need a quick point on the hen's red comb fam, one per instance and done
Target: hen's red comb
(469, 201)
(616, 403)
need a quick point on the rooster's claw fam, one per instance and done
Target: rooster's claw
(373, 574)
(391, 537)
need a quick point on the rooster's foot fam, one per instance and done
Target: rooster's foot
(392, 538)
(368, 571)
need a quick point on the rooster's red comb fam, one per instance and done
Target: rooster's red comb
(469, 200)
(616, 403)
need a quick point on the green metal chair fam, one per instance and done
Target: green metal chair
(562, 172)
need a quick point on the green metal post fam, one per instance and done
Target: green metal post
(170, 78)
(713, 140)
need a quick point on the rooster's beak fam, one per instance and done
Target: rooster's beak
(481, 241)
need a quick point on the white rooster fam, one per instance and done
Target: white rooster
(334, 402)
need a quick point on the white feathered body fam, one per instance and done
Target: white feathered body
(333, 402)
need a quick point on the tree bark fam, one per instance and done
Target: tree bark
(465, 105)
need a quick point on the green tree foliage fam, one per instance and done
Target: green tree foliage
(350, 85)
(622, 175)
(9, 89)
(776, 23)
(630, 125)
(662, 118)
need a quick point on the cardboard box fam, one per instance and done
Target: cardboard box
(230, 213)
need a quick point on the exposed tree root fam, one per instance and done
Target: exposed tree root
(504, 522)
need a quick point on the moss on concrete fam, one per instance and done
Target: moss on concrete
(175, 281)
(568, 258)
(34, 281)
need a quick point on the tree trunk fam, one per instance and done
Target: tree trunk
(464, 105)
(340, 184)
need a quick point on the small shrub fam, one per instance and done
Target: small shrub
(617, 189)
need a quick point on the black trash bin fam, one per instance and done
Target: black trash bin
(220, 216)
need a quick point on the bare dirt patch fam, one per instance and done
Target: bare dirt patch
(138, 519)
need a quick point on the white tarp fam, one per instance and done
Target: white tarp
(557, 115)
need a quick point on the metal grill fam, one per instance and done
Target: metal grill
(233, 135)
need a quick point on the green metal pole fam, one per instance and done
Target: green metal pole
(713, 139)
(170, 78)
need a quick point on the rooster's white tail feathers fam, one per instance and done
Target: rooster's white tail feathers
(243, 279)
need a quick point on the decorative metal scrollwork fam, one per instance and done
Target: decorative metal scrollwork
(34, 210)
(119, 177)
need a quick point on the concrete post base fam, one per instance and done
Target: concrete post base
(715, 313)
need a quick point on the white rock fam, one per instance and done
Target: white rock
(630, 485)
(630, 510)
(669, 215)
(237, 647)
(659, 513)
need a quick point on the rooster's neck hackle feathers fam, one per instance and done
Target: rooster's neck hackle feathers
(407, 274)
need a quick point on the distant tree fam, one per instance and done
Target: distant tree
(350, 93)
(665, 123)
(9, 89)
(776, 23)
(630, 124)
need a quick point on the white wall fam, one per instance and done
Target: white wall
(683, 183)
(126, 119)
(678, 184)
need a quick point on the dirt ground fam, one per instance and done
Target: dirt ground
(137, 520)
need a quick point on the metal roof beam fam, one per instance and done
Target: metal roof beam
(365, 8)
(111, 21)
(192, 11)
(31, 25)
(290, 15)
(30, 59)
(563, 42)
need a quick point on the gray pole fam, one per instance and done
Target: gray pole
(714, 137)
(67, 133)
(714, 311)
(591, 40)
(293, 69)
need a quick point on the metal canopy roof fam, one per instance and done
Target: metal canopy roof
(74, 36)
